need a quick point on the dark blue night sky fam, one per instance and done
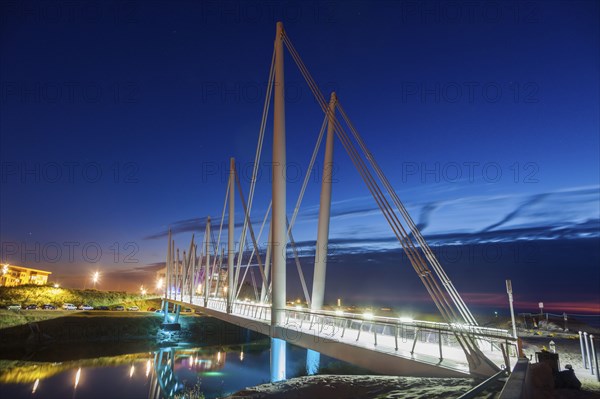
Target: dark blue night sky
(118, 119)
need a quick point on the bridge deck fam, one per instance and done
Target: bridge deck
(383, 345)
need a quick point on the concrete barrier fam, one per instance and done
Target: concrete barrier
(515, 387)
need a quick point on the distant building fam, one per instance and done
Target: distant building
(18, 275)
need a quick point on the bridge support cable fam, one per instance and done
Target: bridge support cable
(359, 162)
(222, 255)
(397, 227)
(213, 265)
(298, 265)
(255, 250)
(420, 267)
(266, 287)
(187, 265)
(249, 224)
(240, 283)
(254, 285)
(442, 301)
(308, 173)
(250, 268)
(261, 135)
(184, 270)
(450, 288)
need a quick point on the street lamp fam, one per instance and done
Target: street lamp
(95, 278)
(160, 283)
(143, 290)
(56, 285)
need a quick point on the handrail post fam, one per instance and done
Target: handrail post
(583, 358)
(440, 342)
(591, 354)
(375, 335)
(417, 330)
(359, 330)
(587, 351)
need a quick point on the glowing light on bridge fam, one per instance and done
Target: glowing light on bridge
(406, 319)
(131, 370)
(148, 367)
(368, 316)
(35, 385)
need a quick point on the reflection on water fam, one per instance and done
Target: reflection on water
(77, 375)
(162, 373)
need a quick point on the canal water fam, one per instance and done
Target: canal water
(215, 371)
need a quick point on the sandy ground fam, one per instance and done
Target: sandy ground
(346, 387)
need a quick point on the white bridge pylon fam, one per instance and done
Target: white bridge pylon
(458, 346)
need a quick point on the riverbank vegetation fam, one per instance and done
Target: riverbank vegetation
(39, 295)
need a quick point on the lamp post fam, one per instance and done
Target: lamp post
(512, 311)
(95, 278)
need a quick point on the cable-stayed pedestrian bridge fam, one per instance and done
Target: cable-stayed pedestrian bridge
(458, 346)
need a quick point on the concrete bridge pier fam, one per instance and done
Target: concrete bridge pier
(168, 324)
(313, 360)
(278, 348)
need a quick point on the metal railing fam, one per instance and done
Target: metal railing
(367, 329)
